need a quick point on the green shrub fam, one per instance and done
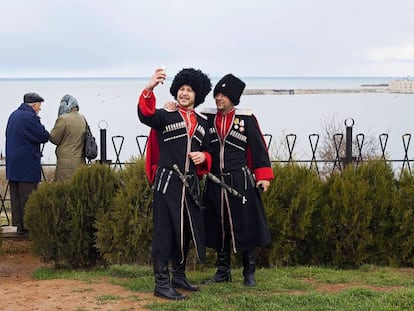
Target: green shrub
(48, 221)
(381, 193)
(360, 216)
(347, 217)
(404, 219)
(290, 202)
(93, 189)
(124, 232)
(61, 216)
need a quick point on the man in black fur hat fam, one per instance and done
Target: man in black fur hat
(177, 153)
(241, 161)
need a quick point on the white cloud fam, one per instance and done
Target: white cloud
(401, 53)
(261, 37)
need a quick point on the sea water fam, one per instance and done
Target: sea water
(110, 104)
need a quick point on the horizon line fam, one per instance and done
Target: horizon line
(169, 78)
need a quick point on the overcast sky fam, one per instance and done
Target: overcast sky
(129, 38)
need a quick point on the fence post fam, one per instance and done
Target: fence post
(102, 128)
(349, 123)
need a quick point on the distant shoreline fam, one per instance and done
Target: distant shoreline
(375, 89)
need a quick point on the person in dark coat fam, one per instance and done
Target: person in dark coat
(240, 160)
(177, 154)
(24, 135)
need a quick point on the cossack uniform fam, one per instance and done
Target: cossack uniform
(239, 159)
(178, 214)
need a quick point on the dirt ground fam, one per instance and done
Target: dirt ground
(19, 291)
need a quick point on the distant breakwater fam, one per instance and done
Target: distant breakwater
(318, 91)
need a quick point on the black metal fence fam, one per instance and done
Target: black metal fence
(337, 163)
(344, 153)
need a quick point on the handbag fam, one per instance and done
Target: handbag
(90, 147)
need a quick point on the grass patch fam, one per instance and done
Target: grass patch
(105, 298)
(291, 288)
(80, 275)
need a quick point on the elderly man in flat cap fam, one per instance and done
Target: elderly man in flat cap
(24, 135)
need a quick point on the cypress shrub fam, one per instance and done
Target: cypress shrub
(404, 235)
(290, 202)
(124, 230)
(381, 193)
(346, 218)
(48, 221)
(93, 189)
(61, 216)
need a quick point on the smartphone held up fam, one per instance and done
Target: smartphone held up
(164, 69)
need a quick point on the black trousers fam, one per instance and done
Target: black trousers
(19, 193)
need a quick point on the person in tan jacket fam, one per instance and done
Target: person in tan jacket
(68, 135)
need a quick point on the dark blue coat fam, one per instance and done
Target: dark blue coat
(24, 134)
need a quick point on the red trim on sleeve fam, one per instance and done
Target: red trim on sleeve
(204, 167)
(264, 173)
(146, 103)
(152, 155)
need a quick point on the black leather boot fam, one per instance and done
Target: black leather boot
(179, 279)
(249, 267)
(223, 273)
(163, 288)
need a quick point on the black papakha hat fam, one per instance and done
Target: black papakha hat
(230, 86)
(29, 98)
(199, 82)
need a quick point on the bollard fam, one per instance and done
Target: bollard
(349, 123)
(102, 128)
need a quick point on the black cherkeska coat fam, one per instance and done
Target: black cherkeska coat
(235, 158)
(177, 218)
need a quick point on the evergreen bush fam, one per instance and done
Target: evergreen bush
(347, 217)
(93, 189)
(403, 222)
(48, 221)
(359, 216)
(290, 202)
(124, 231)
(381, 193)
(61, 216)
